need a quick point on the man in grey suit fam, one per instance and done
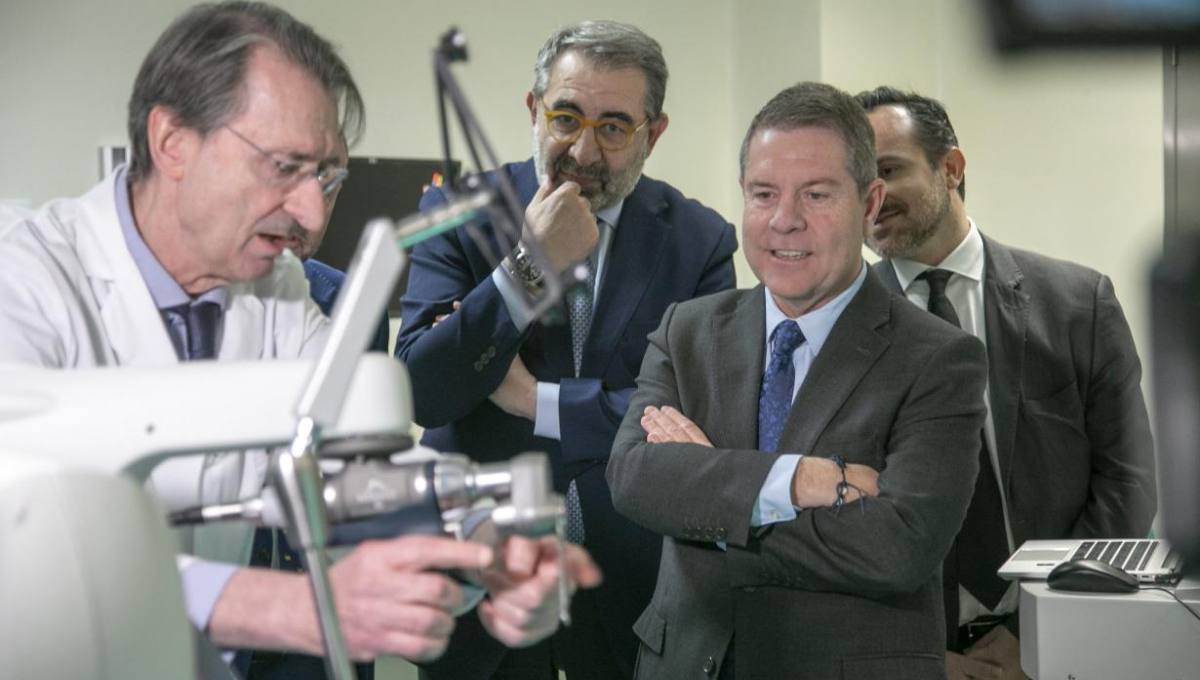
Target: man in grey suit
(1066, 432)
(761, 414)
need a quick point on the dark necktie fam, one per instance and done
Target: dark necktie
(774, 405)
(775, 400)
(580, 305)
(200, 321)
(982, 544)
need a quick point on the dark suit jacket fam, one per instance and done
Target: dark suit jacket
(1072, 434)
(324, 282)
(666, 248)
(854, 595)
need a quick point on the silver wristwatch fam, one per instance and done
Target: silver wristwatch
(522, 268)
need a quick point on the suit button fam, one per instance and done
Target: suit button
(709, 666)
(720, 532)
(478, 367)
(491, 352)
(748, 589)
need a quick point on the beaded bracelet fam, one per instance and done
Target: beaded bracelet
(843, 488)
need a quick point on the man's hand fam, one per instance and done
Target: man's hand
(522, 605)
(562, 222)
(667, 425)
(517, 393)
(442, 317)
(387, 600)
(959, 667)
(815, 483)
(1000, 649)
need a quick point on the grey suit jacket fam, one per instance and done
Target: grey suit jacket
(856, 595)
(1072, 434)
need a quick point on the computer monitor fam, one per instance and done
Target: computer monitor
(387, 187)
(1110, 23)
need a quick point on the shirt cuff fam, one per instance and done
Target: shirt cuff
(775, 499)
(545, 422)
(203, 583)
(513, 299)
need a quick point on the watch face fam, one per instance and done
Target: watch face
(526, 268)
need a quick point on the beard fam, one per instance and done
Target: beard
(610, 187)
(917, 224)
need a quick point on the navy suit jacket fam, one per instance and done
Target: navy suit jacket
(666, 249)
(324, 282)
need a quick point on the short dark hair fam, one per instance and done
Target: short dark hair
(609, 45)
(823, 106)
(932, 130)
(198, 65)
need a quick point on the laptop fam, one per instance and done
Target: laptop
(1150, 560)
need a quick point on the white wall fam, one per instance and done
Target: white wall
(67, 67)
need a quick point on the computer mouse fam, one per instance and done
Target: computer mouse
(1091, 576)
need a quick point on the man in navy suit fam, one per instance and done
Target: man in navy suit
(324, 282)
(490, 383)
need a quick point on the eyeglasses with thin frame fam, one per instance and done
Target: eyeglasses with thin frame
(287, 175)
(612, 134)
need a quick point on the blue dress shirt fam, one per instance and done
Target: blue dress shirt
(775, 497)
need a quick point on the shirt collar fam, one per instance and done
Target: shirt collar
(965, 260)
(817, 324)
(612, 214)
(165, 291)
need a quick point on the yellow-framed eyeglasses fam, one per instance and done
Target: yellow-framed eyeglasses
(612, 134)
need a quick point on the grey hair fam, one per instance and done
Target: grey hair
(823, 106)
(198, 65)
(609, 45)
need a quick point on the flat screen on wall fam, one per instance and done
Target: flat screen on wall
(376, 187)
(1036, 23)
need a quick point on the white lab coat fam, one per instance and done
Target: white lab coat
(71, 296)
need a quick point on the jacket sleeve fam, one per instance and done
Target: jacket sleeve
(1122, 496)
(591, 411)
(684, 491)
(456, 364)
(893, 543)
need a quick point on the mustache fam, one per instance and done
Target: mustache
(598, 170)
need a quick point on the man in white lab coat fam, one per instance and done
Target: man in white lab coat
(236, 120)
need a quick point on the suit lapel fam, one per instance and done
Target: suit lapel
(851, 349)
(737, 365)
(1006, 312)
(887, 274)
(637, 246)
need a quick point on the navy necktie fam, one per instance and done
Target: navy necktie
(200, 322)
(775, 400)
(982, 543)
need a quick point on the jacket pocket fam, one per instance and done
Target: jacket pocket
(651, 629)
(894, 667)
(1062, 410)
